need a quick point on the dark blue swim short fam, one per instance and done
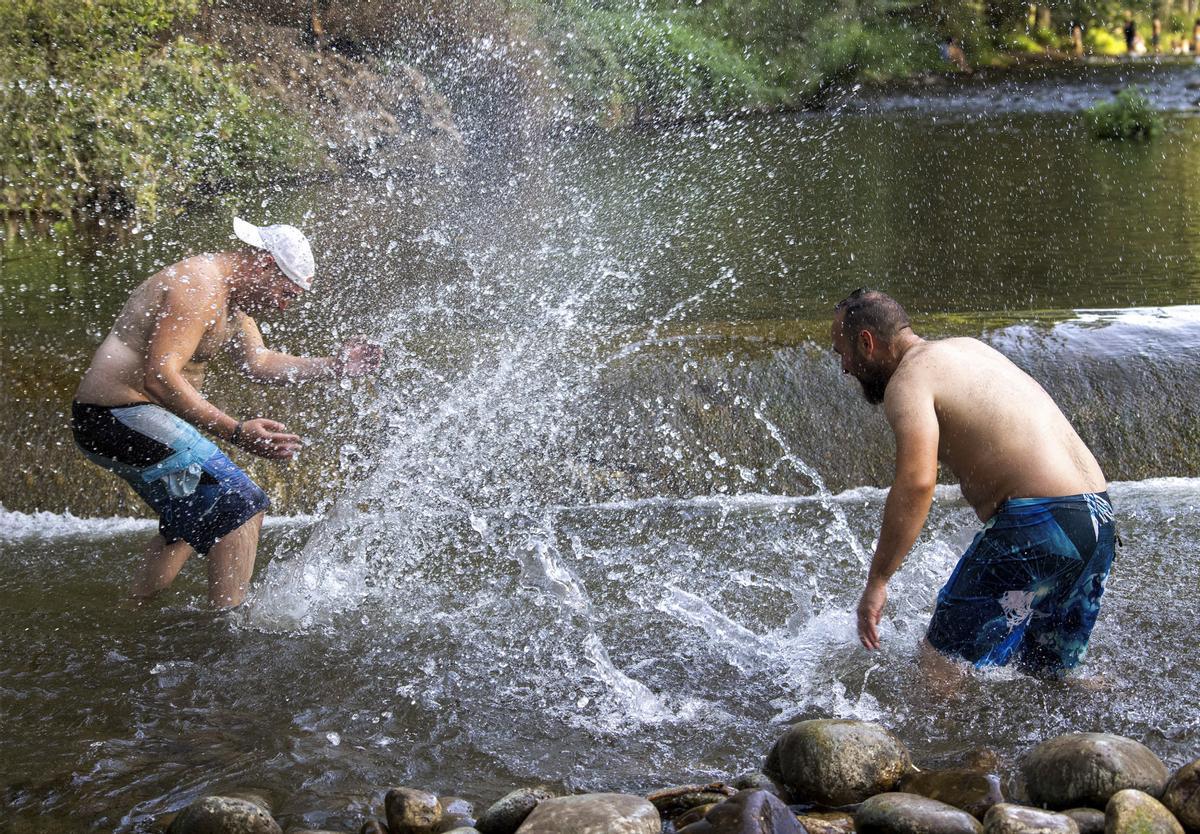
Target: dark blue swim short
(199, 494)
(1028, 588)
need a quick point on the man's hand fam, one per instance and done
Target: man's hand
(870, 612)
(267, 439)
(358, 357)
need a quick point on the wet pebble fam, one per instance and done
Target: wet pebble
(832, 822)
(1182, 796)
(223, 815)
(908, 813)
(1134, 812)
(412, 811)
(747, 812)
(1006, 818)
(672, 802)
(595, 813)
(1088, 768)
(759, 781)
(971, 790)
(835, 762)
(507, 813)
(1089, 820)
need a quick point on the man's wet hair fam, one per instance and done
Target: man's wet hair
(867, 309)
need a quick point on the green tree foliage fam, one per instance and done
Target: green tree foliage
(100, 106)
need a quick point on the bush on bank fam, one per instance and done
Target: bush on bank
(1128, 116)
(624, 60)
(101, 107)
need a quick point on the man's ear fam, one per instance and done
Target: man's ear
(867, 341)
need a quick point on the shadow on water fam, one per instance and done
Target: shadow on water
(604, 518)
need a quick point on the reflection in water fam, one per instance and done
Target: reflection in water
(593, 525)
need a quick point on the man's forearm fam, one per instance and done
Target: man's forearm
(904, 515)
(272, 368)
(174, 393)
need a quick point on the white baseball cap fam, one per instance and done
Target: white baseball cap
(287, 245)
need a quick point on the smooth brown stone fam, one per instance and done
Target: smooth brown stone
(1182, 796)
(1088, 768)
(412, 811)
(908, 813)
(1135, 812)
(671, 802)
(749, 812)
(505, 815)
(834, 762)
(832, 822)
(970, 790)
(1089, 820)
(593, 813)
(1006, 818)
(223, 815)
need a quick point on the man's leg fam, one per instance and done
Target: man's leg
(231, 563)
(160, 566)
(941, 675)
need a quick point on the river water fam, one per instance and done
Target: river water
(602, 520)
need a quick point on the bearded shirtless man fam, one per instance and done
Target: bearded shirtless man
(138, 411)
(1028, 588)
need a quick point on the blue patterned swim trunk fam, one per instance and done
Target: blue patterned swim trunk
(200, 495)
(1028, 588)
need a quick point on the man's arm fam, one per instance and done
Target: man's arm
(910, 411)
(270, 367)
(181, 324)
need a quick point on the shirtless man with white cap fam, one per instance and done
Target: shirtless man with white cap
(138, 411)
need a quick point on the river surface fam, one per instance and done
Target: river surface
(602, 520)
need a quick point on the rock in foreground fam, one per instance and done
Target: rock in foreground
(971, 790)
(1135, 812)
(1088, 768)
(594, 813)
(748, 812)
(1182, 796)
(1017, 819)
(908, 813)
(223, 815)
(835, 762)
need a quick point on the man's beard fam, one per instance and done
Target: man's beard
(874, 384)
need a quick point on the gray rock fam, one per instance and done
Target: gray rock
(908, 813)
(593, 813)
(466, 829)
(672, 802)
(971, 790)
(747, 812)
(694, 815)
(508, 812)
(1005, 818)
(1088, 768)
(223, 815)
(410, 811)
(759, 781)
(1135, 812)
(1182, 796)
(456, 806)
(1089, 820)
(835, 762)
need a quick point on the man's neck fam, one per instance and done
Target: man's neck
(905, 341)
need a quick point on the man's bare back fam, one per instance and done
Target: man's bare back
(117, 373)
(999, 432)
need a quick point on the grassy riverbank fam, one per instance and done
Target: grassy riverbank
(117, 105)
(103, 108)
